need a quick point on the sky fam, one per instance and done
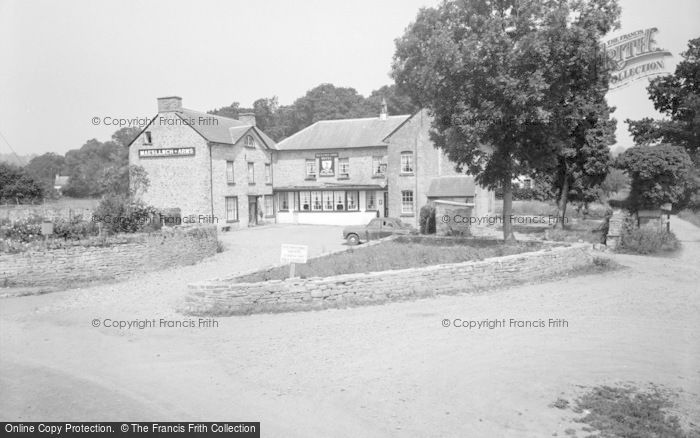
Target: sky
(64, 63)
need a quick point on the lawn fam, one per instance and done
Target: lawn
(415, 251)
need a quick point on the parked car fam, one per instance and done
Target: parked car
(376, 229)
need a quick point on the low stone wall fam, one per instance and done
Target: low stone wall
(222, 297)
(115, 257)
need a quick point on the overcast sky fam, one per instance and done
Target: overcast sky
(63, 63)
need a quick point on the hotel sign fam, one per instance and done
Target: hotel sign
(169, 152)
(327, 163)
(633, 56)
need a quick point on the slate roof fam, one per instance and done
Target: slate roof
(219, 129)
(345, 133)
(451, 186)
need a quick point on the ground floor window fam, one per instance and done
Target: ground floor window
(407, 201)
(339, 200)
(231, 208)
(371, 201)
(283, 201)
(305, 201)
(353, 201)
(269, 206)
(328, 201)
(316, 201)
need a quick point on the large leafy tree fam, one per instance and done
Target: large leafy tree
(677, 96)
(17, 187)
(44, 168)
(659, 174)
(501, 79)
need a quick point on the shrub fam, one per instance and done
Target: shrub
(119, 214)
(647, 240)
(23, 230)
(75, 228)
(427, 219)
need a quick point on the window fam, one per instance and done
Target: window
(353, 200)
(371, 200)
(269, 206)
(296, 201)
(147, 138)
(283, 201)
(407, 162)
(305, 201)
(268, 174)
(344, 168)
(249, 141)
(251, 173)
(229, 172)
(316, 204)
(407, 201)
(311, 168)
(231, 208)
(339, 198)
(328, 201)
(378, 166)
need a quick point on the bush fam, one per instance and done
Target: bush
(75, 228)
(23, 230)
(119, 214)
(427, 219)
(647, 240)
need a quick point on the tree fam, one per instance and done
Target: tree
(96, 167)
(659, 174)
(44, 168)
(615, 182)
(397, 103)
(677, 96)
(18, 187)
(494, 77)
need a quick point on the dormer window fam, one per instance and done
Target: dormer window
(147, 137)
(249, 141)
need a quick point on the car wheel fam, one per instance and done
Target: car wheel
(353, 239)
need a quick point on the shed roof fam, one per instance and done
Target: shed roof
(451, 186)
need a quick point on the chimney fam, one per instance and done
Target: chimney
(247, 118)
(383, 112)
(169, 104)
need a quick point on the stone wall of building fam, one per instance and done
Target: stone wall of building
(175, 182)
(226, 297)
(110, 259)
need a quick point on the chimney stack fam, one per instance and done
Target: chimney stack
(383, 113)
(247, 118)
(169, 104)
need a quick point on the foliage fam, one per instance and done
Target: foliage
(74, 228)
(615, 181)
(659, 174)
(17, 187)
(509, 83)
(647, 240)
(323, 102)
(44, 169)
(427, 219)
(23, 230)
(628, 412)
(121, 214)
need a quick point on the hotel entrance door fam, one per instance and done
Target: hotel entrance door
(252, 211)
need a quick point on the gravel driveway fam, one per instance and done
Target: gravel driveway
(389, 370)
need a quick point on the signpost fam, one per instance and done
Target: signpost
(293, 254)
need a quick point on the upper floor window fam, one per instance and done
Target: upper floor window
(251, 173)
(378, 166)
(407, 162)
(147, 138)
(311, 168)
(268, 173)
(229, 172)
(344, 167)
(249, 141)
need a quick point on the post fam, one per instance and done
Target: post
(291, 270)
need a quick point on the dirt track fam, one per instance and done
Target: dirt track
(390, 370)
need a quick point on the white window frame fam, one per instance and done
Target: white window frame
(371, 194)
(355, 196)
(344, 167)
(230, 173)
(407, 202)
(268, 200)
(268, 173)
(339, 199)
(251, 172)
(231, 206)
(310, 168)
(316, 200)
(378, 166)
(407, 162)
(249, 141)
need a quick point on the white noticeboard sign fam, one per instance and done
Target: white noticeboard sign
(294, 253)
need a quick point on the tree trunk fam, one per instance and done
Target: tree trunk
(507, 210)
(561, 205)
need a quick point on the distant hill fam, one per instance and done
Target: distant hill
(20, 160)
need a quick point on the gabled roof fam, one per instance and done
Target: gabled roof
(217, 129)
(451, 186)
(345, 133)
